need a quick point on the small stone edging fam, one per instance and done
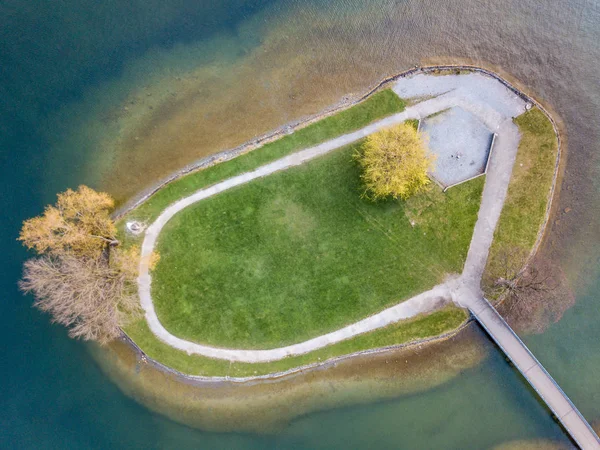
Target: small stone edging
(256, 143)
(143, 357)
(489, 158)
(550, 201)
(294, 126)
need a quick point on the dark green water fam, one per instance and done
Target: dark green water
(53, 54)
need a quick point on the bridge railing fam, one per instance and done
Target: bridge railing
(565, 396)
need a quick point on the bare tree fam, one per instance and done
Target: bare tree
(510, 277)
(82, 278)
(88, 296)
(535, 295)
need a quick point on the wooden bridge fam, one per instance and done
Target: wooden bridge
(549, 391)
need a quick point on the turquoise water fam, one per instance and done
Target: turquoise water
(58, 60)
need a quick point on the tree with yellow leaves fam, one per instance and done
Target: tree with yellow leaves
(82, 278)
(79, 223)
(395, 162)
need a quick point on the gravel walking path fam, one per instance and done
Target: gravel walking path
(483, 97)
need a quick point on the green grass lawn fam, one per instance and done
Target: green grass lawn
(417, 328)
(525, 206)
(438, 229)
(377, 106)
(299, 253)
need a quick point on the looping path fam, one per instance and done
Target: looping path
(494, 105)
(483, 97)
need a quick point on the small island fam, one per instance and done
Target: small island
(388, 224)
(365, 229)
(291, 267)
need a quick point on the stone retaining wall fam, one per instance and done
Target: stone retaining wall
(227, 155)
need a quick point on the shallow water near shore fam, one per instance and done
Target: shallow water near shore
(120, 95)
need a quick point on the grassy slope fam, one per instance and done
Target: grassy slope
(299, 253)
(525, 206)
(420, 327)
(379, 105)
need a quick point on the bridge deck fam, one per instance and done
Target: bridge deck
(550, 392)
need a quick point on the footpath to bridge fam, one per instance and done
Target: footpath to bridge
(549, 391)
(467, 291)
(493, 105)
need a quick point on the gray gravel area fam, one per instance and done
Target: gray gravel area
(474, 88)
(461, 144)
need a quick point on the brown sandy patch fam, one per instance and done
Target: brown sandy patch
(266, 406)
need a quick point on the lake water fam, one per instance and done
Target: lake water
(117, 94)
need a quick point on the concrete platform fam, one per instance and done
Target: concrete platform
(461, 144)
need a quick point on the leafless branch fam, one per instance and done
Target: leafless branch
(88, 296)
